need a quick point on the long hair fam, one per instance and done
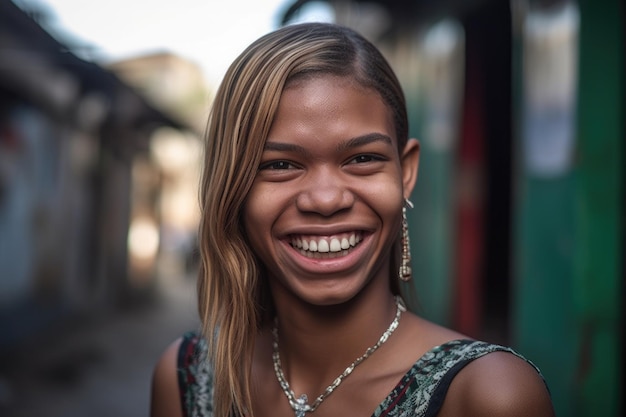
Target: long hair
(231, 282)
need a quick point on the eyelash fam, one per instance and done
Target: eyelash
(364, 158)
(280, 165)
(277, 165)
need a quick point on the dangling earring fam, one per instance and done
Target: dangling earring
(405, 264)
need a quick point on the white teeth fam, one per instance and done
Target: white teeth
(337, 246)
(323, 246)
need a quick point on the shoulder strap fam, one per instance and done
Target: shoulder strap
(195, 376)
(460, 353)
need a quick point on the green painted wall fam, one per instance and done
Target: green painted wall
(569, 244)
(599, 261)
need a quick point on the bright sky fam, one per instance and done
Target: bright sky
(209, 32)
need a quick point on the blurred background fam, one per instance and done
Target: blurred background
(517, 234)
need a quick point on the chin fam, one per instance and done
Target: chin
(331, 295)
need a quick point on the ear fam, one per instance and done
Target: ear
(410, 162)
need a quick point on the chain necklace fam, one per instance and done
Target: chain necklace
(300, 405)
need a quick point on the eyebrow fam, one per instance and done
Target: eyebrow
(364, 140)
(286, 147)
(348, 144)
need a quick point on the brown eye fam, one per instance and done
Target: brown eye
(277, 165)
(361, 159)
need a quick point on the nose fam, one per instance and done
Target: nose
(324, 192)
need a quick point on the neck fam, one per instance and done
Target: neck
(316, 344)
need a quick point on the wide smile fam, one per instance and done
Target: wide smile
(326, 247)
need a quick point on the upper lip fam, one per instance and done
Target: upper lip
(324, 230)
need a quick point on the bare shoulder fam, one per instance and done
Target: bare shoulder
(422, 335)
(498, 384)
(165, 397)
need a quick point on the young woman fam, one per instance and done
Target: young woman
(308, 173)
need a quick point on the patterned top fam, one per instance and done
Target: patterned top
(420, 393)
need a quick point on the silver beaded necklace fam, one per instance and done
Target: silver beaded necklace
(300, 405)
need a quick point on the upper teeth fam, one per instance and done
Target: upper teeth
(323, 245)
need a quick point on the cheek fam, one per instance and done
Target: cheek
(260, 212)
(388, 192)
(386, 199)
(255, 211)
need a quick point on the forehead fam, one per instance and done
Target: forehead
(328, 102)
(317, 80)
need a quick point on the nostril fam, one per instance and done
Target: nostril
(325, 200)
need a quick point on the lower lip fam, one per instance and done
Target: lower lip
(325, 264)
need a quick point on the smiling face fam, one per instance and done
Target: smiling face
(324, 209)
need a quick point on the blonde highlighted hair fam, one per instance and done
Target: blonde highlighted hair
(232, 296)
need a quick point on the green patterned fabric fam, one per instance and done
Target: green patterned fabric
(195, 377)
(420, 393)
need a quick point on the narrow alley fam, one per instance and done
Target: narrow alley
(103, 369)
